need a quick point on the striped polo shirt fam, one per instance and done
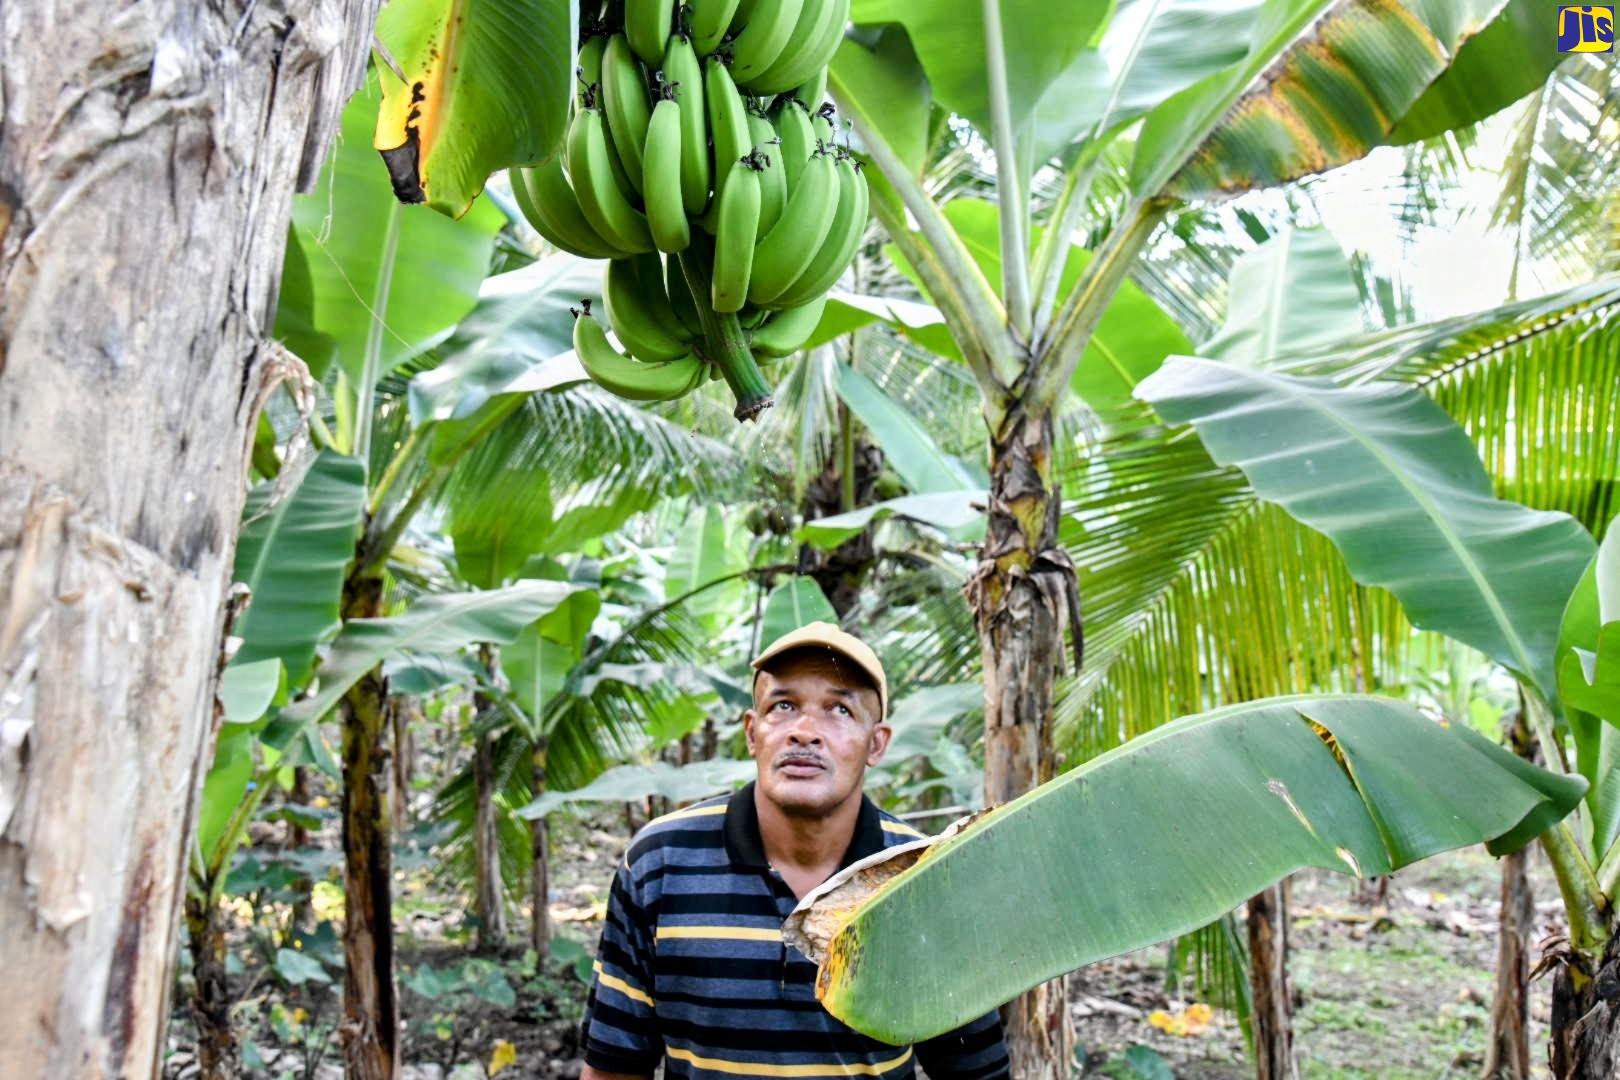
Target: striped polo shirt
(692, 969)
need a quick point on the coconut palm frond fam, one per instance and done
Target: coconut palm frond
(916, 618)
(455, 806)
(1195, 594)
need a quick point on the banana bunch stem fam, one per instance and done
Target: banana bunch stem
(725, 345)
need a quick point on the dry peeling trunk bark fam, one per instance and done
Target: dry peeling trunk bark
(1268, 977)
(217, 1050)
(1507, 1055)
(1021, 594)
(370, 999)
(1586, 1017)
(148, 158)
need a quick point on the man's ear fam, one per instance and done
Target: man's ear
(748, 730)
(881, 734)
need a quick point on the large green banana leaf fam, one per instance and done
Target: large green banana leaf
(367, 277)
(1041, 42)
(707, 549)
(623, 783)
(487, 84)
(1294, 292)
(441, 623)
(1399, 488)
(792, 604)
(512, 343)
(1160, 836)
(293, 555)
(957, 513)
(909, 449)
(1323, 83)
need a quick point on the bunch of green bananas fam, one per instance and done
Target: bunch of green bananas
(701, 163)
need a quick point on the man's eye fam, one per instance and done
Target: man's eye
(844, 709)
(783, 705)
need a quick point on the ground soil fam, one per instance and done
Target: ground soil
(1394, 985)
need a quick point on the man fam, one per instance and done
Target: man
(692, 969)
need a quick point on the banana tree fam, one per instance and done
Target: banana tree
(1230, 97)
(1492, 573)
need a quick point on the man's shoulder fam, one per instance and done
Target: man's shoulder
(700, 824)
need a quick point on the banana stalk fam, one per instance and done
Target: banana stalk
(724, 343)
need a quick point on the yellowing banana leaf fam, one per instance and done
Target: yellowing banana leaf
(1155, 838)
(369, 280)
(1398, 487)
(486, 84)
(1323, 83)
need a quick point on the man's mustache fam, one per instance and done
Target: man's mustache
(800, 757)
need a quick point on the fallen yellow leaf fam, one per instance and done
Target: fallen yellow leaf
(503, 1055)
(1161, 1019)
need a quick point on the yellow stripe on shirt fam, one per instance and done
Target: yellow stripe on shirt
(903, 830)
(621, 986)
(752, 1068)
(723, 933)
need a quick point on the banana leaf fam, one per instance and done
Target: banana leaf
(440, 623)
(1293, 292)
(1323, 83)
(958, 513)
(792, 604)
(486, 84)
(367, 278)
(292, 555)
(1153, 839)
(1399, 488)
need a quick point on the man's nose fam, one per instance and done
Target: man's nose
(804, 731)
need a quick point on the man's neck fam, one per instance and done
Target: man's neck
(806, 850)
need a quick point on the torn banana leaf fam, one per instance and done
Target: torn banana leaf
(1153, 839)
(470, 87)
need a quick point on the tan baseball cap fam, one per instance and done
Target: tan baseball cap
(827, 636)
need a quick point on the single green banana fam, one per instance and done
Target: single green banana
(822, 124)
(710, 21)
(773, 181)
(630, 378)
(661, 186)
(624, 104)
(843, 239)
(655, 296)
(788, 248)
(787, 331)
(792, 122)
(728, 121)
(813, 91)
(810, 48)
(633, 314)
(736, 231)
(683, 75)
(588, 66)
(545, 198)
(647, 25)
(590, 170)
(680, 296)
(766, 32)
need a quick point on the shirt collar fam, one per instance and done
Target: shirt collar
(745, 847)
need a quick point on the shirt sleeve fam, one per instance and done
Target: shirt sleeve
(974, 1051)
(620, 1029)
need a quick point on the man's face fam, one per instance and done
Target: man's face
(813, 730)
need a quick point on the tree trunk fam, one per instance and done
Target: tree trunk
(148, 157)
(1586, 1018)
(403, 712)
(301, 911)
(211, 1000)
(1507, 1055)
(540, 870)
(1021, 595)
(370, 1000)
(1268, 978)
(490, 905)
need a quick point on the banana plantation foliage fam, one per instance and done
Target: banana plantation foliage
(395, 501)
